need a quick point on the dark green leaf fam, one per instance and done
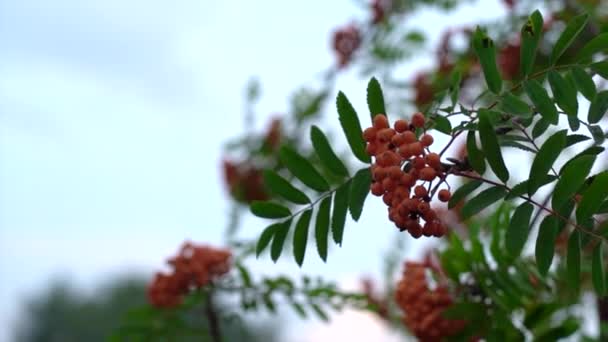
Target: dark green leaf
(545, 243)
(375, 98)
(518, 145)
(490, 147)
(574, 27)
(473, 311)
(584, 82)
(573, 123)
(326, 154)
(595, 45)
(320, 312)
(574, 139)
(593, 197)
(563, 94)
(540, 127)
(322, 227)
(565, 328)
(351, 127)
(512, 104)
(303, 169)
(591, 151)
(486, 52)
(462, 192)
(265, 238)
(597, 270)
(541, 100)
(280, 186)
(530, 36)
(600, 68)
(522, 188)
(519, 228)
(299, 309)
(338, 218)
(597, 133)
(358, 192)
(474, 154)
(546, 156)
(571, 180)
(300, 236)
(442, 124)
(482, 201)
(599, 107)
(269, 209)
(573, 260)
(278, 240)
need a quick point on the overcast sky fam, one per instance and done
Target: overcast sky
(112, 117)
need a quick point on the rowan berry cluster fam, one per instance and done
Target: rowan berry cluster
(401, 161)
(423, 306)
(346, 41)
(193, 267)
(244, 181)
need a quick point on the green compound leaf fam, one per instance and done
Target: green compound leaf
(593, 197)
(486, 52)
(545, 244)
(563, 93)
(462, 192)
(270, 210)
(265, 238)
(573, 261)
(474, 154)
(278, 240)
(375, 98)
(303, 169)
(597, 270)
(519, 229)
(598, 108)
(571, 180)
(300, 237)
(490, 147)
(522, 188)
(539, 96)
(530, 36)
(595, 45)
(482, 201)
(540, 128)
(340, 210)
(322, 227)
(544, 160)
(280, 186)
(591, 151)
(326, 154)
(351, 127)
(572, 30)
(584, 82)
(512, 104)
(358, 192)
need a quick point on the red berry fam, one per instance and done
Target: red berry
(409, 137)
(369, 134)
(384, 135)
(416, 148)
(420, 191)
(428, 174)
(377, 189)
(426, 140)
(401, 126)
(380, 121)
(418, 163)
(433, 160)
(444, 195)
(418, 120)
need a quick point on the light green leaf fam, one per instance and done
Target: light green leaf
(598, 108)
(545, 243)
(544, 160)
(539, 96)
(280, 234)
(573, 261)
(486, 52)
(265, 238)
(326, 154)
(375, 98)
(338, 218)
(519, 229)
(571, 180)
(462, 192)
(593, 197)
(530, 36)
(322, 227)
(572, 30)
(358, 192)
(441, 124)
(584, 82)
(271, 210)
(280, 186)
(482, 201)
(351, 127)
(300, 237)
(563, 94)
(490, 147)
(597, 270)
(303, 169)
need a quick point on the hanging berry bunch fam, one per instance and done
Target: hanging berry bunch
(345, 42)
(423, 306)
(194, 267)
(403, 173)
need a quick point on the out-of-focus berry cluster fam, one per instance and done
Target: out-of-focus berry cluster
(403, 172)
(193, 267)
(345, 42)
(423, 306)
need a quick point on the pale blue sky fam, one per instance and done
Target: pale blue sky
(112, 117)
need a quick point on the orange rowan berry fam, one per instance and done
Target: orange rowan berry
(418, 120)
(401, 126)
(388, 184)
(379, 173)
(371, 149)
(377, 189)
(418, 163)
(398, 139)
(423, 207)
(369, 134)
(420, 191)
(387, 198)
(394, 172)
(415, 230)
(409, 137)
(416, 148)
(426, 140)
(444, 195)
(404, 152)
(406, 180)
(433, 160)
(384, 135)
(380, 121)
(415, 174)
(412, 204)
(428, 174)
